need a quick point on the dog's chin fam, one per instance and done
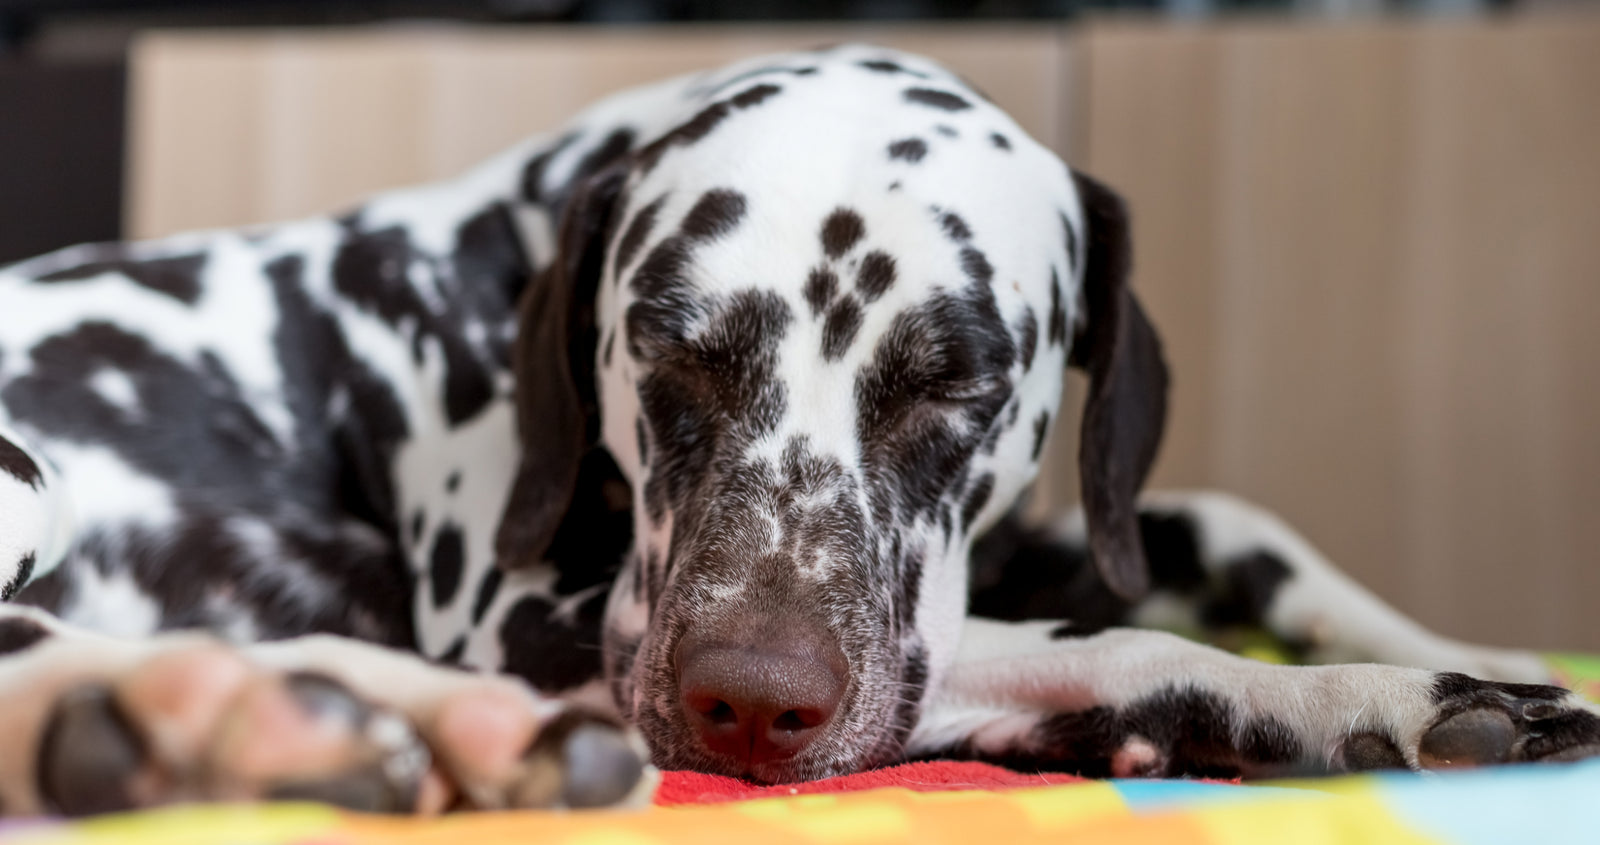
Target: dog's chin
(829, 756)
(804, 767)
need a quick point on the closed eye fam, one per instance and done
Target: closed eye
(968, 390)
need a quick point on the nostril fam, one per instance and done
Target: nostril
(793, 721)
(717, 712)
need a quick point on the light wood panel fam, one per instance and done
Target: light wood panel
(234, 128)
(1372, 252)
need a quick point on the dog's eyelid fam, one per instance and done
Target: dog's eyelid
(962, 390)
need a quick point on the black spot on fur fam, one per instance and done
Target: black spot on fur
(999, 141)
(452, 483)
(715, 214)
(886, 66)
(1028, 338)
(955, 227)
(417, 518)
(20, 580)
(637, 233)
(610, 347)
(1066, 631)
(1070, 238)
(947, 131)
(17, 634)
(693, 130)
(841, 230)
(937, 99)
(977, 266)
(1196, 731)
(452, 655)
(755, 95)
(533, 172)
(177, 277)
(876, 275)
(612, 148)
(363, 432)
(488, 588)
(844, 320)
(615, 146)
(666, 307)
(16, 463)
(1041, 427)
(822, 285)
(488, 256)
(548, 652)
(663, 274)
(703, 123)
(910, 149)
(738, 79)
(1058, 312)
(1454, 688)
(1172, 542)
(1246, 591)
(977, 498)
(374, 269)
(445, 564)
(910, 590)
(1020, 573)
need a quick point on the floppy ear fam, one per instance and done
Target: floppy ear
(1127, 404)
(553, 359)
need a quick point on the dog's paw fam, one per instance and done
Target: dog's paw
(87, 730)
(1482, 723)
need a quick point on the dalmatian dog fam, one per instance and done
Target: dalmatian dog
(689, 436)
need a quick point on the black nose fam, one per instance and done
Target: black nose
(760, 697)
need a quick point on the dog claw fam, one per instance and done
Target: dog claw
(91, 757)
(579, 761)
(1535, 711)
(602, 767)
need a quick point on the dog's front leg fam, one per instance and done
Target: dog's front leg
(1143, 703)
(90, 724)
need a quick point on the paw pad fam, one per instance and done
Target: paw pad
(1471, 738)
(1365, 752)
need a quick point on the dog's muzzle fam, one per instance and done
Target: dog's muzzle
(760, 695)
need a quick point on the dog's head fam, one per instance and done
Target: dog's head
(824, 322)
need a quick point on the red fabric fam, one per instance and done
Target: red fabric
(938, 776)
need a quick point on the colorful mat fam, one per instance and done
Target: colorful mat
(1520, 804)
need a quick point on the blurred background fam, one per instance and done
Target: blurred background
(1369, 230)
